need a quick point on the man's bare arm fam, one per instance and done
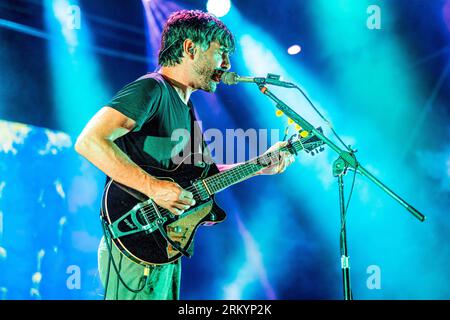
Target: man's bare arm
(96, 144)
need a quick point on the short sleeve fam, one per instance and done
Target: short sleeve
(138, 100)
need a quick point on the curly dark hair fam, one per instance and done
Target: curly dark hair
(201, 27)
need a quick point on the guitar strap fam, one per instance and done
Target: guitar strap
(195, 128)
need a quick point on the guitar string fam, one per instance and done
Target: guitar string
(149, 212)
(227, 177)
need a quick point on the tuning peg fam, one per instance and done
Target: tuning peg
(297, 127)
(304, 134)
(321, 149)
(290, 121)
(279, 113)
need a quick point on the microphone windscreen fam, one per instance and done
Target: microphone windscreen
(229, 77)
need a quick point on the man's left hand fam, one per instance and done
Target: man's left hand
(285, 159)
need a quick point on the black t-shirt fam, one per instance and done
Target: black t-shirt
(158, 110)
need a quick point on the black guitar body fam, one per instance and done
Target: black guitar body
(139, 228)
(149, 234)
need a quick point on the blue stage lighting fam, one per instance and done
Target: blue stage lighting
(69, 18)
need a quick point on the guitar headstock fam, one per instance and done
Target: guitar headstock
(310, 142)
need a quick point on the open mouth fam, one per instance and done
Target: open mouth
(217, 75)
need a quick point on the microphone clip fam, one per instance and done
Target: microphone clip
(274, 79)
(272, 76)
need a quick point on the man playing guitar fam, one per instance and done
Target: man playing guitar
(135, 127)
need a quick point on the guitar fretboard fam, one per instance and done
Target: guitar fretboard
(223, 180)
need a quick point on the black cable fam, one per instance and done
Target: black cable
(344, 220)
(345, 146)
(144, 277)
(117, 281)
(323, 118)
(107, 270)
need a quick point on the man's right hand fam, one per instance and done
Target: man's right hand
(171, 196)
(96, 143)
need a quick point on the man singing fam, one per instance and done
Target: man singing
(135, 127)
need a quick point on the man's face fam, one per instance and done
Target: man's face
(209, 66)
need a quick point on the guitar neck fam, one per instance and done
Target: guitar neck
(242, 172)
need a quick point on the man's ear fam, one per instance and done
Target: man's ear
(189, 48)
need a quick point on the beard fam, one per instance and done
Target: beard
(205, 74)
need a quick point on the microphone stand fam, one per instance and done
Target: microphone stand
(345, 161)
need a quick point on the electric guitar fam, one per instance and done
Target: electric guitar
(149, 234)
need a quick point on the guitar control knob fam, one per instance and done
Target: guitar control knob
(177, 229)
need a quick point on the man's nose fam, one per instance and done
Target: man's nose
(226, 63)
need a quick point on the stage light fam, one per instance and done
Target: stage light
(77, 83)
(156, 13)
(68, 17)
(218, 7)
(3, 254)
(294, 49)
(36, 278)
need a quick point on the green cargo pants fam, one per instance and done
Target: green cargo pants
(162, 283)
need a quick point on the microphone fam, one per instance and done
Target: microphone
(231, 78)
